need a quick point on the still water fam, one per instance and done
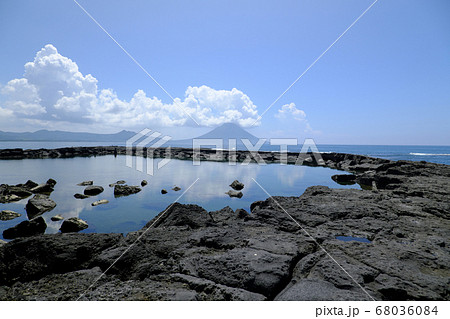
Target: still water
(125, 214)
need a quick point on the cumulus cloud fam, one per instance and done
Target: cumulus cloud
(291, 111)
(53, 90)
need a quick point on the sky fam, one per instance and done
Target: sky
(386, 81)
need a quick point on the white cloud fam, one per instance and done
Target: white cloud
(54, 91)
(291, 111)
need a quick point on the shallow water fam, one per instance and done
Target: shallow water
(131, 213)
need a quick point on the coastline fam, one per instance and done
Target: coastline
(192, 254)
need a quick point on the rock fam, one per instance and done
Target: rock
(144, 183)
(163, 191)
(30, 184)
(51, 182)
(100, 202)
(121, 182)
(344, 179)
(57, 218)
(176, 188)
(2, 242)
(93, 190)
(233, 193)
(26, 228)
(241, 213)
(80, 196)
(73, 225)
(236, 185)
(8, 215)
(125, 190)
(18, 191)
(38, 205)
(42, 188)
(86, 183)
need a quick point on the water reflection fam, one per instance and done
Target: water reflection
(130, 213)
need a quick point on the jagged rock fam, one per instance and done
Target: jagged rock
(73, 225)
(2, 242)
(236, 185)
(144, 183)
(176, 188)
(344, 179)
(38, 205)
(80, 196)
(100, 202)
(57, 218)
(26, 228)
(93, 190)
(86, 183)
(163, 191)
(125, 190)
(8, 215)
(233, 193)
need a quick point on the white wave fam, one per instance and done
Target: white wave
(428, 154)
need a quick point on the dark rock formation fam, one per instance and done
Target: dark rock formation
(38, 205)
(56, 218)
(125, 190)
(281, 251)
(144, 183)
(8, 215)
(233, 193)
(163, 191)
(176, 188)
(26, 228)
(73, 225)
(93, 190)
(236, 185)
(86, 183)
(80, 196)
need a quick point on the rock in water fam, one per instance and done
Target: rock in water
(100, 202)
(8, 215)
(144, 183)
(344, 179)
(80, 196)
(163, 191)
(236, 185)
(57, 218)
(26, 228)
(2, 242)
(125, 190)
(38, 205)
(176, 188)
(93, 190)
(232, 193)
(73, 225)
(121, 182)
(86, 183)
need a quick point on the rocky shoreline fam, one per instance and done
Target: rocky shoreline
(398, 227)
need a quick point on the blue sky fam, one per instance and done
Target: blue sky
(387, 81)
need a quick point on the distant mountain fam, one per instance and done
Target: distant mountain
(225, 132)
(63, 136)
(229, 131)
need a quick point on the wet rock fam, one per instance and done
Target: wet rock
(56, 218)
(26, 228)
(121, 182)
(93, 190)
(144, 183)
(176, 188)
(125, 190)
(344, 179)
(73, 225)
(80, 196)
(236, 185)
(38, 205)
(100, 202)
(8, 215)
(163, 191)
(233, 193)
(86, 183)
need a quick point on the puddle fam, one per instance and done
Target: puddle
(350, 238)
